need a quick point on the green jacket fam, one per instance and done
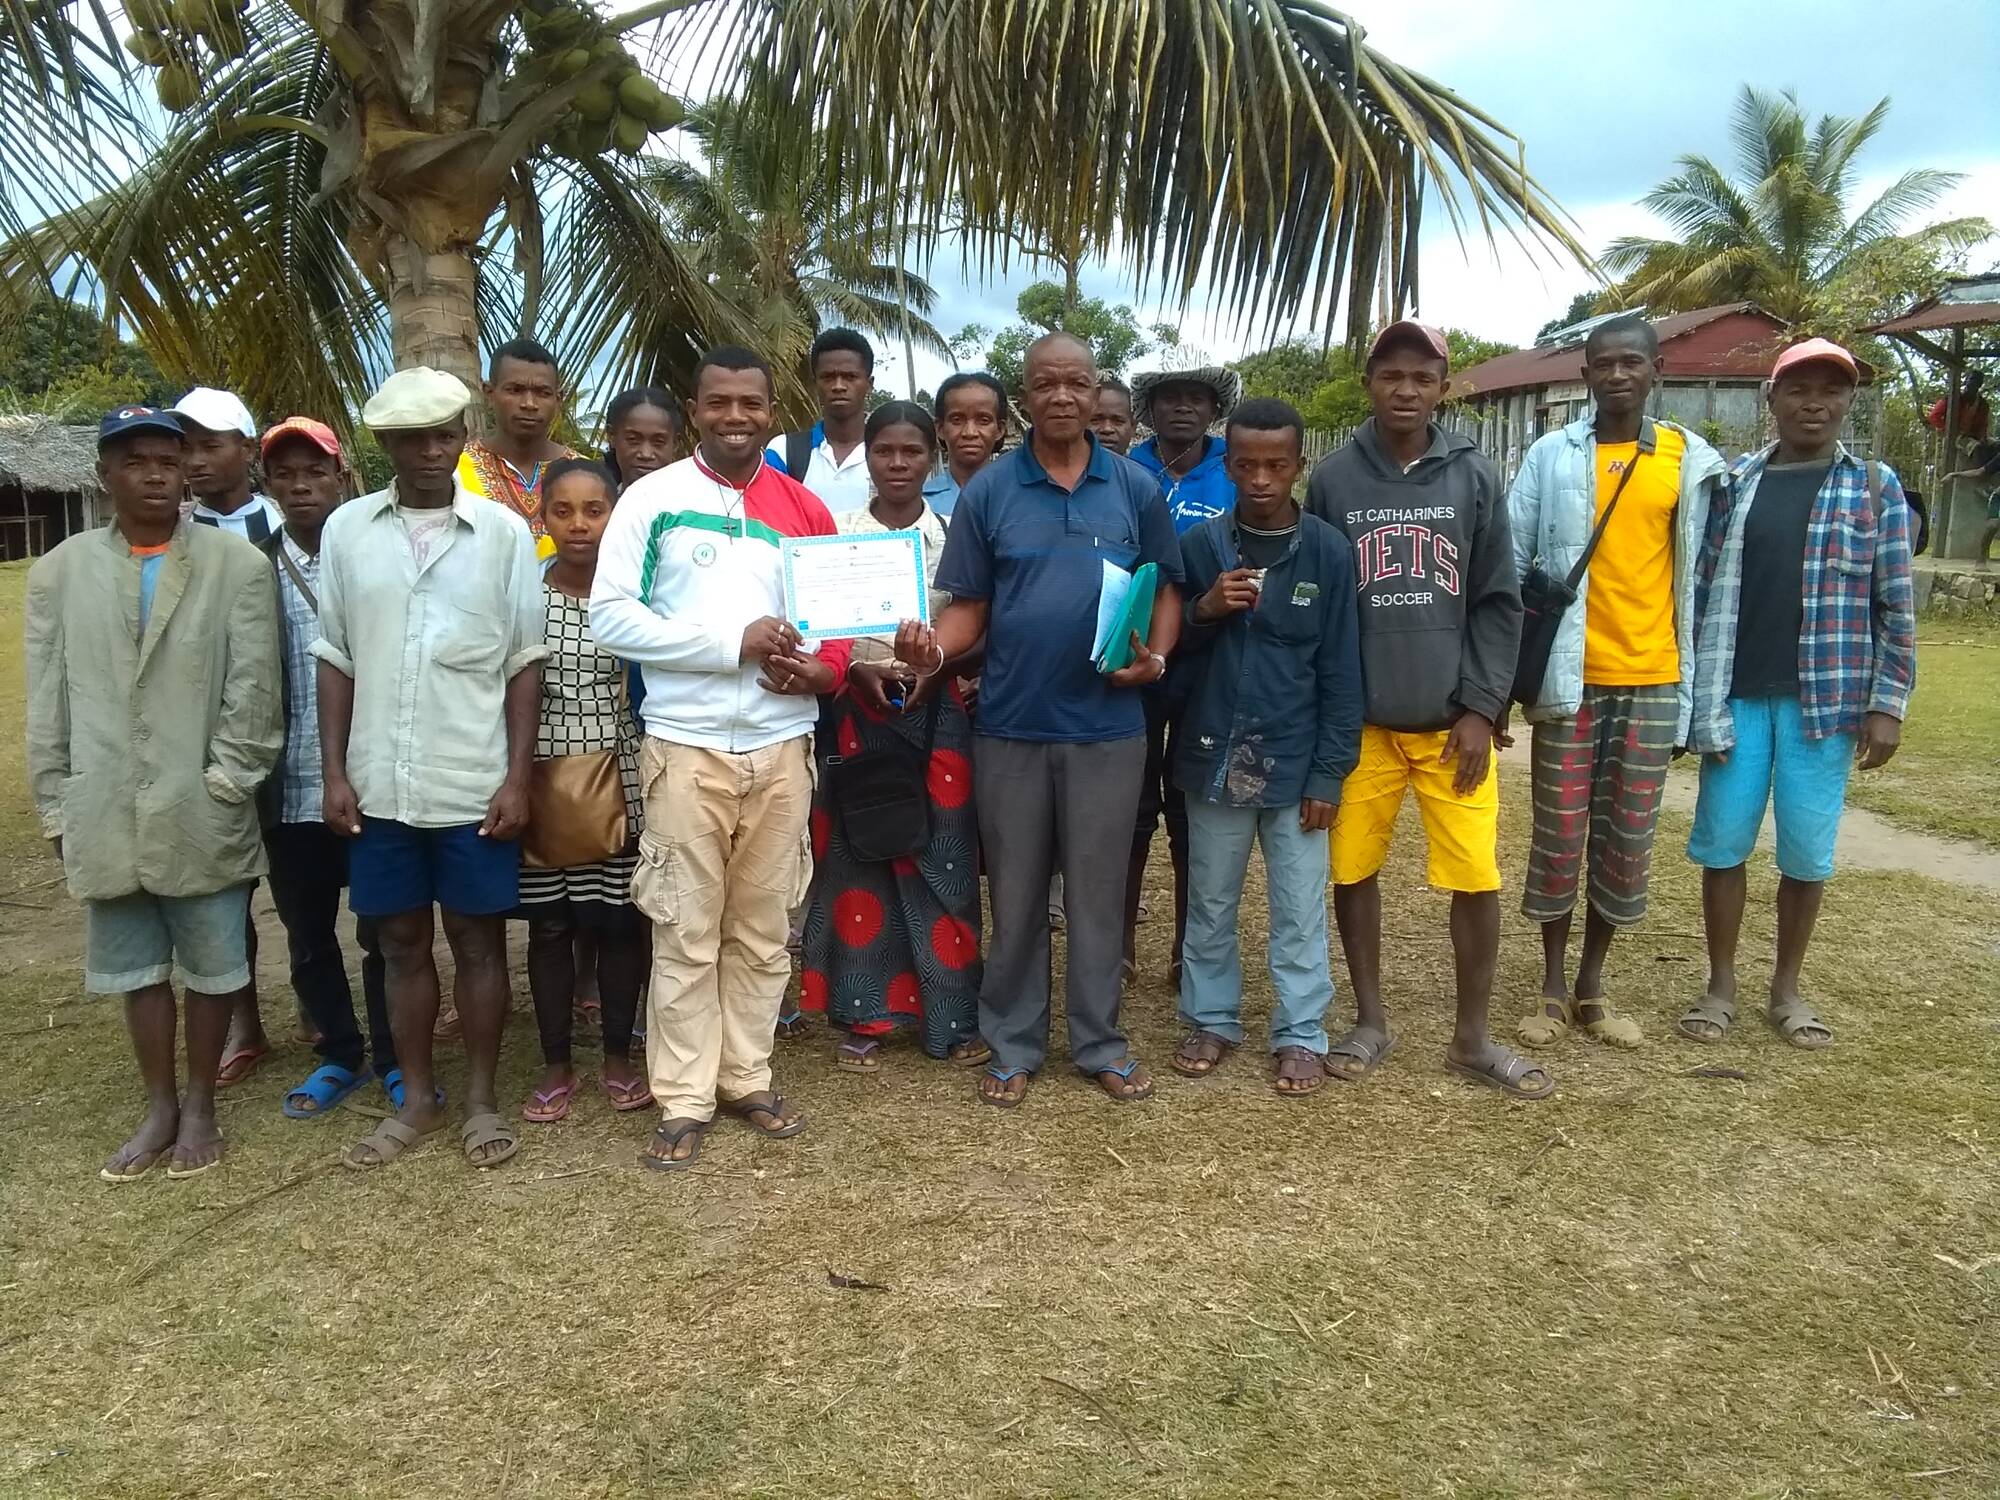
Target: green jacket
(144, 755)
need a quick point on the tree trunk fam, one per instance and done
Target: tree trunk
(433, 309)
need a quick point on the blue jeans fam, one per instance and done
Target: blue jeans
(1804, 781)
(1219, 840)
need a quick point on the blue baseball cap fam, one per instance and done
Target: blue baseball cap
(137, 419)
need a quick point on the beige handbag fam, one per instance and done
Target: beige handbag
(576, 811)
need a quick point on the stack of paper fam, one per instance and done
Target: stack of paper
(1124, 605)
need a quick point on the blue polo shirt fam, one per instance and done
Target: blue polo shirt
(1204, 492)
(1036, 553)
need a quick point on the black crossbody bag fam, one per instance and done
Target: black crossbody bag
(882, 797)
(1545, 597)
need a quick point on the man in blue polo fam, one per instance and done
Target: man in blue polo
(1190, 463)
(1060, 746)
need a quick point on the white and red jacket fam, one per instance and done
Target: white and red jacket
(688, 561)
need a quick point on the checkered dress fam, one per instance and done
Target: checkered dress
(585, 706)
(1858, 652)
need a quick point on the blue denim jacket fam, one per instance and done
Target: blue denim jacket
(1273, 694)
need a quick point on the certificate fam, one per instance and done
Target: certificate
(866, 583)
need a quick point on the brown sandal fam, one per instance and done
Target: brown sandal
(1299, 1065)
(1201, 1054)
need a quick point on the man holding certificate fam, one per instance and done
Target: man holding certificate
(690, 584)
(1061, 744)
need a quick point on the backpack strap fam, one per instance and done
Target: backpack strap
(798, 454)
(1875, 489)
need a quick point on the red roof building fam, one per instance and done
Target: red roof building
(1713, 363)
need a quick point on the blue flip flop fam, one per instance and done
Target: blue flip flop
(392, 1085)
(325, 1087)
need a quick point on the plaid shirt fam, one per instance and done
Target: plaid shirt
(299, 787)
(1858, 652)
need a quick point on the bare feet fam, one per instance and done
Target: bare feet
(152, 1140)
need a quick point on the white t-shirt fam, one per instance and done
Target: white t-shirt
(422, 528)
(239, 519)
(841, 486)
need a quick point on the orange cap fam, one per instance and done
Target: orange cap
(1807, 351)
(317, 433)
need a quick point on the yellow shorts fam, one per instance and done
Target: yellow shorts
(1463, 832)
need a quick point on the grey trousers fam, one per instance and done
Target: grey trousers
(1030, 794)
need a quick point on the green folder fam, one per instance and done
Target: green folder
(1134, 614)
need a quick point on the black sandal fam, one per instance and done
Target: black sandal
(763, 1102)
(670, 1134)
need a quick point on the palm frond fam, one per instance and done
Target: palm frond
(1259, 149)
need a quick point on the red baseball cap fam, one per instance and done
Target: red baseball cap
(1808, 351)
(1410, 328)
(317, 433)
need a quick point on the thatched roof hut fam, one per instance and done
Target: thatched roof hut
(48, 484)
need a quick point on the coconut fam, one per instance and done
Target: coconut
(606, 47)
(595, 103)
(569, 64)
(150, 15)
(152, 49)
(629, 134)
(638, 95)
(668, 113)
(198, 17)
(177, 86)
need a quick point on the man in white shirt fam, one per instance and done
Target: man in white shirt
(222, 443)
(690, 584)
(430, 646)
(829, 457)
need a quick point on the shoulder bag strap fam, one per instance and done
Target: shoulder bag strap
(1648, 440)
(1875, 489)
(292, 572)
(798, 453)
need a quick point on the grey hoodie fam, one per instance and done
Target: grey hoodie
(1440, 606)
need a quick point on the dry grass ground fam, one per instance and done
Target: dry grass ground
(1946, 776)
(1657, 1284)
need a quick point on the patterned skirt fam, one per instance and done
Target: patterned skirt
(897, 944)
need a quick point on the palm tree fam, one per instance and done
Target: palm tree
(1778, 234)
(784, 248)
(347, 186)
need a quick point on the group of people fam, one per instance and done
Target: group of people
(519, 682)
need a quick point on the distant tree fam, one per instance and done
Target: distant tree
(1780, 233)
(1468, 349)
(1113, 330)
(60, 355)
(1582, 305)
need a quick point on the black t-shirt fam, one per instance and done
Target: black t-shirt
(1773, 613)
(1262, 549)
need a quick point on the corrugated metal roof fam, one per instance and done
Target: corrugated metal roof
(1965, 302)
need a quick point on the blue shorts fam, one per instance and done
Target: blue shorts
(393, 868)
(1805, 781)
(132, 942)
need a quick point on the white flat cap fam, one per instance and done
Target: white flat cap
(218, 411)
(416, 397)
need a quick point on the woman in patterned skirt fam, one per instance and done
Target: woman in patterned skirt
(585, 706)
(896, 943)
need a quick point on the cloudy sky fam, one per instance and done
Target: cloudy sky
(1605, 98)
